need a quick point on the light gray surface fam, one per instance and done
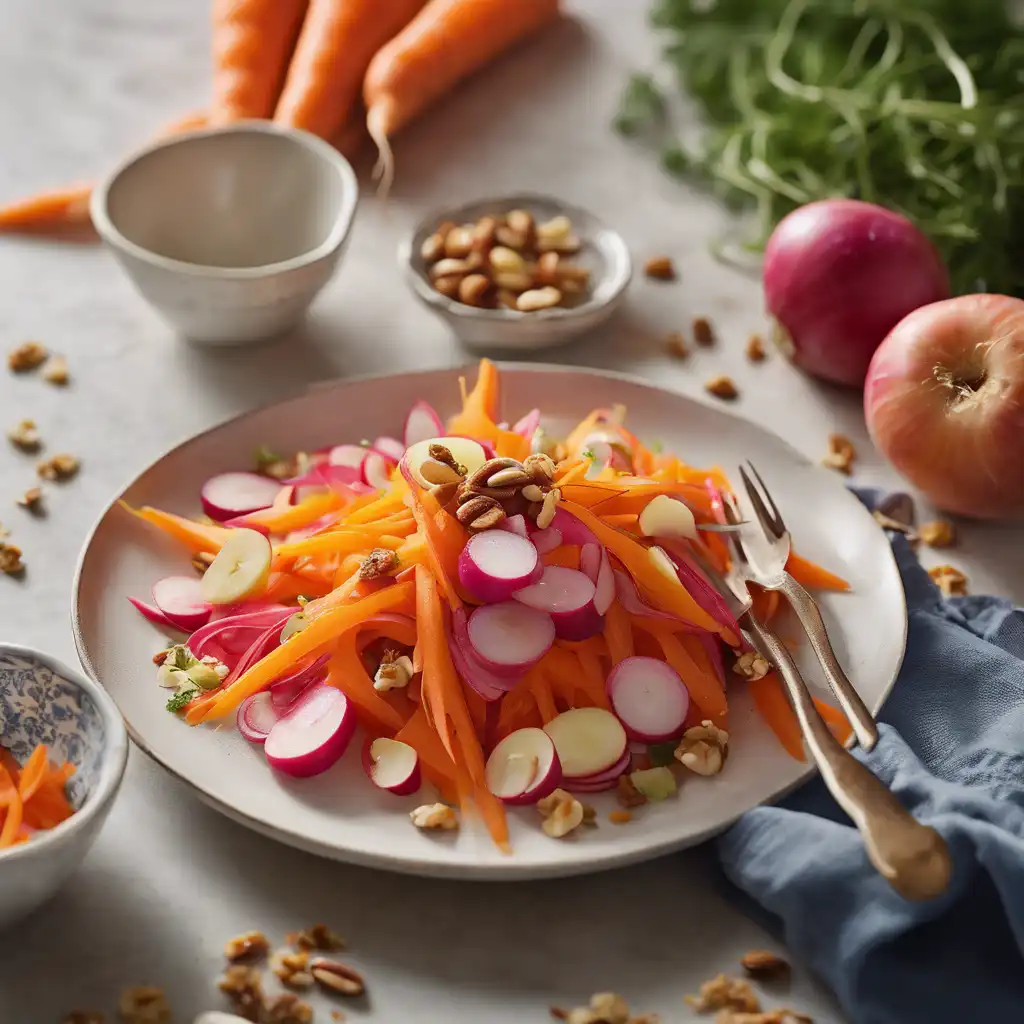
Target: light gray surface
(169, 880)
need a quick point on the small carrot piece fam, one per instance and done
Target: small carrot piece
(33, 772)
(446, 42)
(252, 44)
(618, 633)
(565, 555)
(835, 720)
(11, 804)
(771, 703)
(541, 690)
(811, 574)
(338, 40)
(295, 516)
(442, 552)
(335, 543)
(196, 536)
(437, 765)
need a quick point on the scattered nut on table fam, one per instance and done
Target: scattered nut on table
(940, 533)
(25, 435)
(144, 1004)
(246, 946)
(950, 580)
(755, 349)
(32, 499)
(763, 963)
(725, 993)
(703, 332)
(722, 387)
(675, 345)
(56, 371)
(59, 467)
(26, 357)
(10, 560)
(841, 454)
(660, 268)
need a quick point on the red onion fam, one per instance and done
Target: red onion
(838, 276)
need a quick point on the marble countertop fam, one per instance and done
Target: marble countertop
(170, 880)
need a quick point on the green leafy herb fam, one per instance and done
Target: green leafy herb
(182, 699)
(661, 754)
(588, 453)
(265, 457)
(917, 105)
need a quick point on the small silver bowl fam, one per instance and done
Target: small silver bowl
(603, 253)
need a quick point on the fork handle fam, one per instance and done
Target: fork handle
(911, 857)
(807, 611)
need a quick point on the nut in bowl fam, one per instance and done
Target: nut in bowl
(63, 749)
(517, 272)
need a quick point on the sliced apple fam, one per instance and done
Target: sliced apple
(240, 569)
(667, 517)
(588, 741)
(464, 450)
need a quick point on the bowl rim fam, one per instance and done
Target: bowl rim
(459, 310)
(112, 235)
(114, 755)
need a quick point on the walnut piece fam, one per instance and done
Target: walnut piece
(143, 1004)
(660, 268)
(703, 749)
(780, 1016)
(755, 350)
(25, 435)
(393, 673)
(675, 345)
(939, 533)
(60, 467)
(379, 562)
(628, 794)
(725, 993)
(950, 580)
(751, 665)
(10, 560)
(244, 989)
(703, 332)
(435, 817)
(287, 1008)
(246, 946)
(562, 813)
(292, 968)
(841, 454)
(26, 357)
(32, 499)
(319, 938)
(763, 963)
(56, 371)
(722, 387)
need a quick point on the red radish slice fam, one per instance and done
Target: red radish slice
(181, 599)
(524, 767)
(154, 614)
(377, 470)
(390, 447)
(422, 423)
(496, 563)
(527, 426)
(489, 685)
(289, 688)
(515, 524)
(588, 740)
(351, 455)
(256, 716)
(314, 733)
(509, 637)
(629, 598)
(572, 530)
(609, 774)
(567, 595)
(546, 540)
(236, 494)
(392, 765)
(596, 563)
(649, 698)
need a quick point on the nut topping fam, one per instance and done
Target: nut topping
(26, 357)
(25, 436)
(379, 562)
(337, 977)
(751, 665)
(248, 945)
(763, 963)
(562, 813)
(435, 817)
(703, 749)
(144, 1004)
(480, 512)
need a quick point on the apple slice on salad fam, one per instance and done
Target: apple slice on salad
(240, 569)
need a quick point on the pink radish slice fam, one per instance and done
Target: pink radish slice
(629, 598)
(594, 561)
(313, 735)
(180, 599)
(421, 424)
(649, 698)
(608, 775)
(496, 563)
(487, 684)
(546, 540)
(572, 530)
(286, 690)
(351, 455)
(392, 765)
(515, 524)
(698, 586)
(510, 637)
(228, 495)
(527, 426)
(567, 595)
(377, 470)
(390, 447)
(154, 614)
(256, 716)
(588, 740)
(523, 768)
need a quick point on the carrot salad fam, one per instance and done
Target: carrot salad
(32, 795)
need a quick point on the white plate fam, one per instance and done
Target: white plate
(339, 814)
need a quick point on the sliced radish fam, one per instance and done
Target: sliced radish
(256, 716)
(546, 540)
(668, 517)
(377, 470)
(390, 447)
(350, 455)
(181, 599)
(596, 563)
(609, 774)
(287, 690)
(392, 765)
(571, 529)
(241, 568)
(649, 698)
(527, 426)
(524, 767)
(510, 637)
(422, 423)
(588, 740)
(314, 733)
(236, 494)
(151, 612)
(515, 524)
(567, 595)
(496, 563)
(465, 450)
(629, 598)
(492, 686)
(698, 586)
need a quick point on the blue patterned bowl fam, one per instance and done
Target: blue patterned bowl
(43, 701)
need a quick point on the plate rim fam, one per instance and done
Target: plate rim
(497, 872)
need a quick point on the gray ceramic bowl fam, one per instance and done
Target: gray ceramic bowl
(604, 253)
(43, 701)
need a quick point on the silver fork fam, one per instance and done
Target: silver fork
(913, 858)
(766, 560)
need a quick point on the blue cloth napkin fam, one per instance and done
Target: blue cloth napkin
(952, 749)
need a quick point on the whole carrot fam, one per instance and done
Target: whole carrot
(252, 42)
(447, 41)
(338, 40)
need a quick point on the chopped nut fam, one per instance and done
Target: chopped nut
(562, 813)
(755, 349)
(287, 1008)
(841, 454)
(435, 817)
(751, 665)
(292, 969)
(201, 561)
(722, 387)
(244, 989)
(248, 945)
(448, 286)
(504, 260)
(620, 817)
(541, 467)
(393, 673)
(940, 533)
(379, 562)
(337, 1015)
(337, 977)
(60, 467)
(25, 436)
(676, 345)
(610, 1007)
(85, 1017)
(476, 290)
(703, 749)
(660, 268)
(144, 1004)
(628, 794)
(438, 474)
(10, 560)
(703, 332)
(459, 241)
(480, 513)
(32, 499)
(432, 248)
(558, 1012)
(319, 937)
(950, 580)
(538, 298)
(56, 371)
(725, 993)
(440, 453)
(26, 357)
(548, 508)
(763, 963)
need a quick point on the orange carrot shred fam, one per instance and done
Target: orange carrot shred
(812, 575)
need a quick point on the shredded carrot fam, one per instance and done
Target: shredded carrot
(198, 537)
(618, 633)
(835, 720)
(565, 555)
(704, 687)
(347, 673)
(774, 708)
(442, 553)
(813, 575)
(295, 517)
(32, 796)
(437, 765)
(537, 680)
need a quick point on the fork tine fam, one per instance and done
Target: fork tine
(764, 517)
(767, 495)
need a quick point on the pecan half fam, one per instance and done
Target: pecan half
(480, 512)
(337, 977)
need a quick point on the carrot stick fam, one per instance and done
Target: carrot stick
(196, 536)
(447, 41)
(705, 689)
(8, 762)
(442, 556)
(11, 804)
(294, 517)
(338, 40)
(437, 765)
(33, 772)
(812, 575)
(347, 673)
(541, 690)
(336, 543)
(835, 720)
(770, 701)
(252, 44)
(618, 633)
